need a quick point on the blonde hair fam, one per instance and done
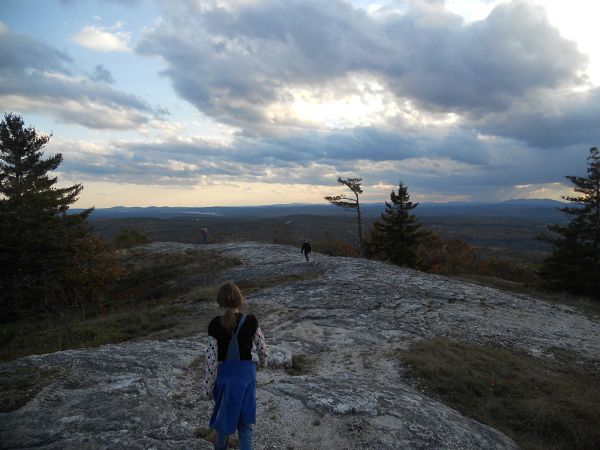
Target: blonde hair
(229, 297)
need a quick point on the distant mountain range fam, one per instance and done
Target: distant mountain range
(535, 209)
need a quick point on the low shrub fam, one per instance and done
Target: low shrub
(301, 365)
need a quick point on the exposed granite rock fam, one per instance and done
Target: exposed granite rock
(346, 321)
(115, 396)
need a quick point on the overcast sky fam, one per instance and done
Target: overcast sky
(239, 102)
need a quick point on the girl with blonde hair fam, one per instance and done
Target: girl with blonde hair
(229, 373)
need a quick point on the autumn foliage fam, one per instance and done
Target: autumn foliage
(334, 247)
(449, 257)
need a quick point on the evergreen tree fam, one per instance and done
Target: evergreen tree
(354, 184)
(396, 235)
(38, 239)
(574, 264)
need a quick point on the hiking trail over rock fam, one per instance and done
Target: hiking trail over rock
(342, 316)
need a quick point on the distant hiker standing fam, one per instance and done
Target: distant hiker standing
(204, 232)
(229, 373)
(305, 249)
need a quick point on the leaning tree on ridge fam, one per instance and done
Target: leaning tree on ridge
(354, 184)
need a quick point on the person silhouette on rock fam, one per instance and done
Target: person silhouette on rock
(306, 249)
(229, 372)
(204, 232)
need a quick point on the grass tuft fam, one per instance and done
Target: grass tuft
(43, 336)
(253, 285)
(585, 305)
(540, 404)
(203, 433)
(155, 299)
(301, 365)
(19, 386)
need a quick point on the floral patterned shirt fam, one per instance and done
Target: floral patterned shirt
(212, 361)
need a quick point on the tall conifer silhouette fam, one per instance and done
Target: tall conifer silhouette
(397, 234)
(574, 264)
(37, 238)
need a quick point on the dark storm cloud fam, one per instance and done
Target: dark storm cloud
(36, 76)
(550, 120)
(102, 74)
(333, 148)
(484, 65)
(517, 166)
(456, 164)
(232, 63)
(19, 52)
(304, 158)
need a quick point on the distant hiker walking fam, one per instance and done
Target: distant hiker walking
(305, 249)
(204, 232)
(229, 373)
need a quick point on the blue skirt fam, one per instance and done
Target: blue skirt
(235, 396)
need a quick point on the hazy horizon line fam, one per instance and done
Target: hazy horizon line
(441, 203)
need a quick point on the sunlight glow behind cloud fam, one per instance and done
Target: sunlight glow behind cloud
(103, 40)
(348, 103)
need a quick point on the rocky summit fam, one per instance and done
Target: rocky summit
(341, 319)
